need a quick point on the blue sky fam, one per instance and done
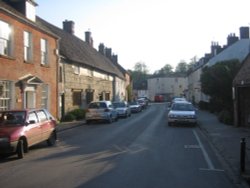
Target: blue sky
(156, 32)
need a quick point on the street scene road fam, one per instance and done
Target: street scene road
(141, 151)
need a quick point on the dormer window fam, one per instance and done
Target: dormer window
(31, 10)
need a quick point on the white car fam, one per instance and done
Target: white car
(101, 110)
(182, 112)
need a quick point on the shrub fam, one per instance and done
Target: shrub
(226, 117)
(78, 113)
(68, 117)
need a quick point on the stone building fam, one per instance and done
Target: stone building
(85, 74)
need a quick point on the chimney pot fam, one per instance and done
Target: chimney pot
(69, 26)
(244, 32)
(88, 38)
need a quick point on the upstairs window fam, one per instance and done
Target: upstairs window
(44, 52)
(27, 46)
(76, 69)
(5, 38)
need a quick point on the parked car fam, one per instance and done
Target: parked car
(182, 112)
(143, 103)
(20, 129)
(147, 100)
(135, 107)
(101, 111)
(122, 108)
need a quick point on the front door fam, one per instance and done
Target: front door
(30, 97)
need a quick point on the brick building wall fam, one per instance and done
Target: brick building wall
(14, 68)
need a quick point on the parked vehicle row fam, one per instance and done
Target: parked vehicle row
(110, 111)
(21, 129)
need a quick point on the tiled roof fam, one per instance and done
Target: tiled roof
(78, 51)
(238, 50)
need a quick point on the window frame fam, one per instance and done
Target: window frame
(44, 52)
(6, 39)
(45, 96)
(28, 47)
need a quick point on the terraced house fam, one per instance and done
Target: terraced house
(42, 65)
(28, 59)
(85, 74)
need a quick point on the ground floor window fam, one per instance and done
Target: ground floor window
(107, 96)
(5, 95)
(77, 96)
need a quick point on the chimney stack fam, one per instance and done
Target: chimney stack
(231, 39)
(215, 49)
(69, 26)
(244, 32)
(108, 53)
(88, 38)
(102, 48)
(115, 59)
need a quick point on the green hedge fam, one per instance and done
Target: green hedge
(77, 114)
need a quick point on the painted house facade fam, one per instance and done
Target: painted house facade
(169, 86)
(28, 59)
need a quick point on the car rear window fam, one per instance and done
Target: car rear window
(119, 104)
(97, 105)
(182, 107)
(12, 118)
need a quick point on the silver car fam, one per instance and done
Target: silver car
(101, 110)
(123, 108)
(182, 112)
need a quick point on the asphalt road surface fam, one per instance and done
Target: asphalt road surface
(136, 152)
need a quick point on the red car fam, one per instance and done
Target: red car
(20, 129)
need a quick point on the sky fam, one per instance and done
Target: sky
(154, 32)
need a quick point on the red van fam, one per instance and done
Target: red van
(159, 98)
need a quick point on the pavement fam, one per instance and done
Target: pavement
(63, 126)
(224, 139)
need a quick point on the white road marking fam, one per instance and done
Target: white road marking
(205, 154)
